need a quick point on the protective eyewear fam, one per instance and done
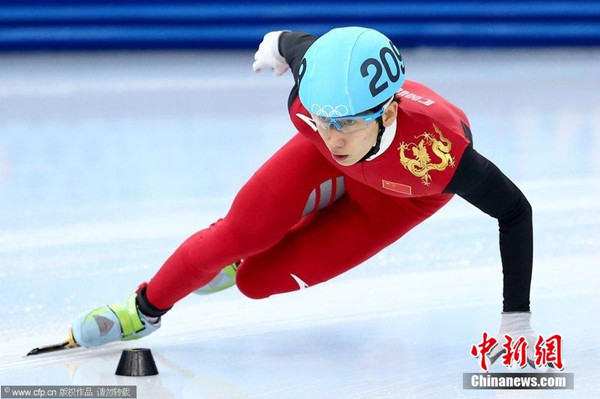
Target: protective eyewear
(348, 124)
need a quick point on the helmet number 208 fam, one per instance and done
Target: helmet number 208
(385, 54)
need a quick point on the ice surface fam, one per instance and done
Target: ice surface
(109, 160)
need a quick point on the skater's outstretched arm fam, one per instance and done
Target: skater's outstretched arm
(481, 183)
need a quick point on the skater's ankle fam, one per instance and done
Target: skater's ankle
(149, 311)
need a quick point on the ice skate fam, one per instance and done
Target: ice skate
(118, 322)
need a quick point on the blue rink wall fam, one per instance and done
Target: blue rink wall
(147, 24)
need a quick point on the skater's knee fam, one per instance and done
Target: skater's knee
(251, 284)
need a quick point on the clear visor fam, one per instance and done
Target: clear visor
(346, 125)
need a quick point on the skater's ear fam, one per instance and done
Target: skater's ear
(390, 113)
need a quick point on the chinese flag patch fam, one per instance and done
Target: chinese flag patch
(397, 187)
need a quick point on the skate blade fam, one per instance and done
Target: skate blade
(69, 343)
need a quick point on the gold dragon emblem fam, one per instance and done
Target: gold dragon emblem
(421, 165)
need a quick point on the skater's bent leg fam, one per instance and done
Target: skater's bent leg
(264, 210)
(333, 241)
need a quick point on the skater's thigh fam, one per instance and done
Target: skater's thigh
(296, 180)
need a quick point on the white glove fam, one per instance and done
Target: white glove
(268, 55)
(515, 324)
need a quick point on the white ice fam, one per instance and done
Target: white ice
(109, 160)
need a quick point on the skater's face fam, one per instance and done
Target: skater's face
(347, 148)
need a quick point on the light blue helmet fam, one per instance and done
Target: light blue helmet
(348, 71)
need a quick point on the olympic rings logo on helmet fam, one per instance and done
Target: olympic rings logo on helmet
(329, 111)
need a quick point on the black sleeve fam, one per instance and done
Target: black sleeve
(482, 184)
(292, 47)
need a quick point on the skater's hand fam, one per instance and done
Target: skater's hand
(268, 55)
(516, 325)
